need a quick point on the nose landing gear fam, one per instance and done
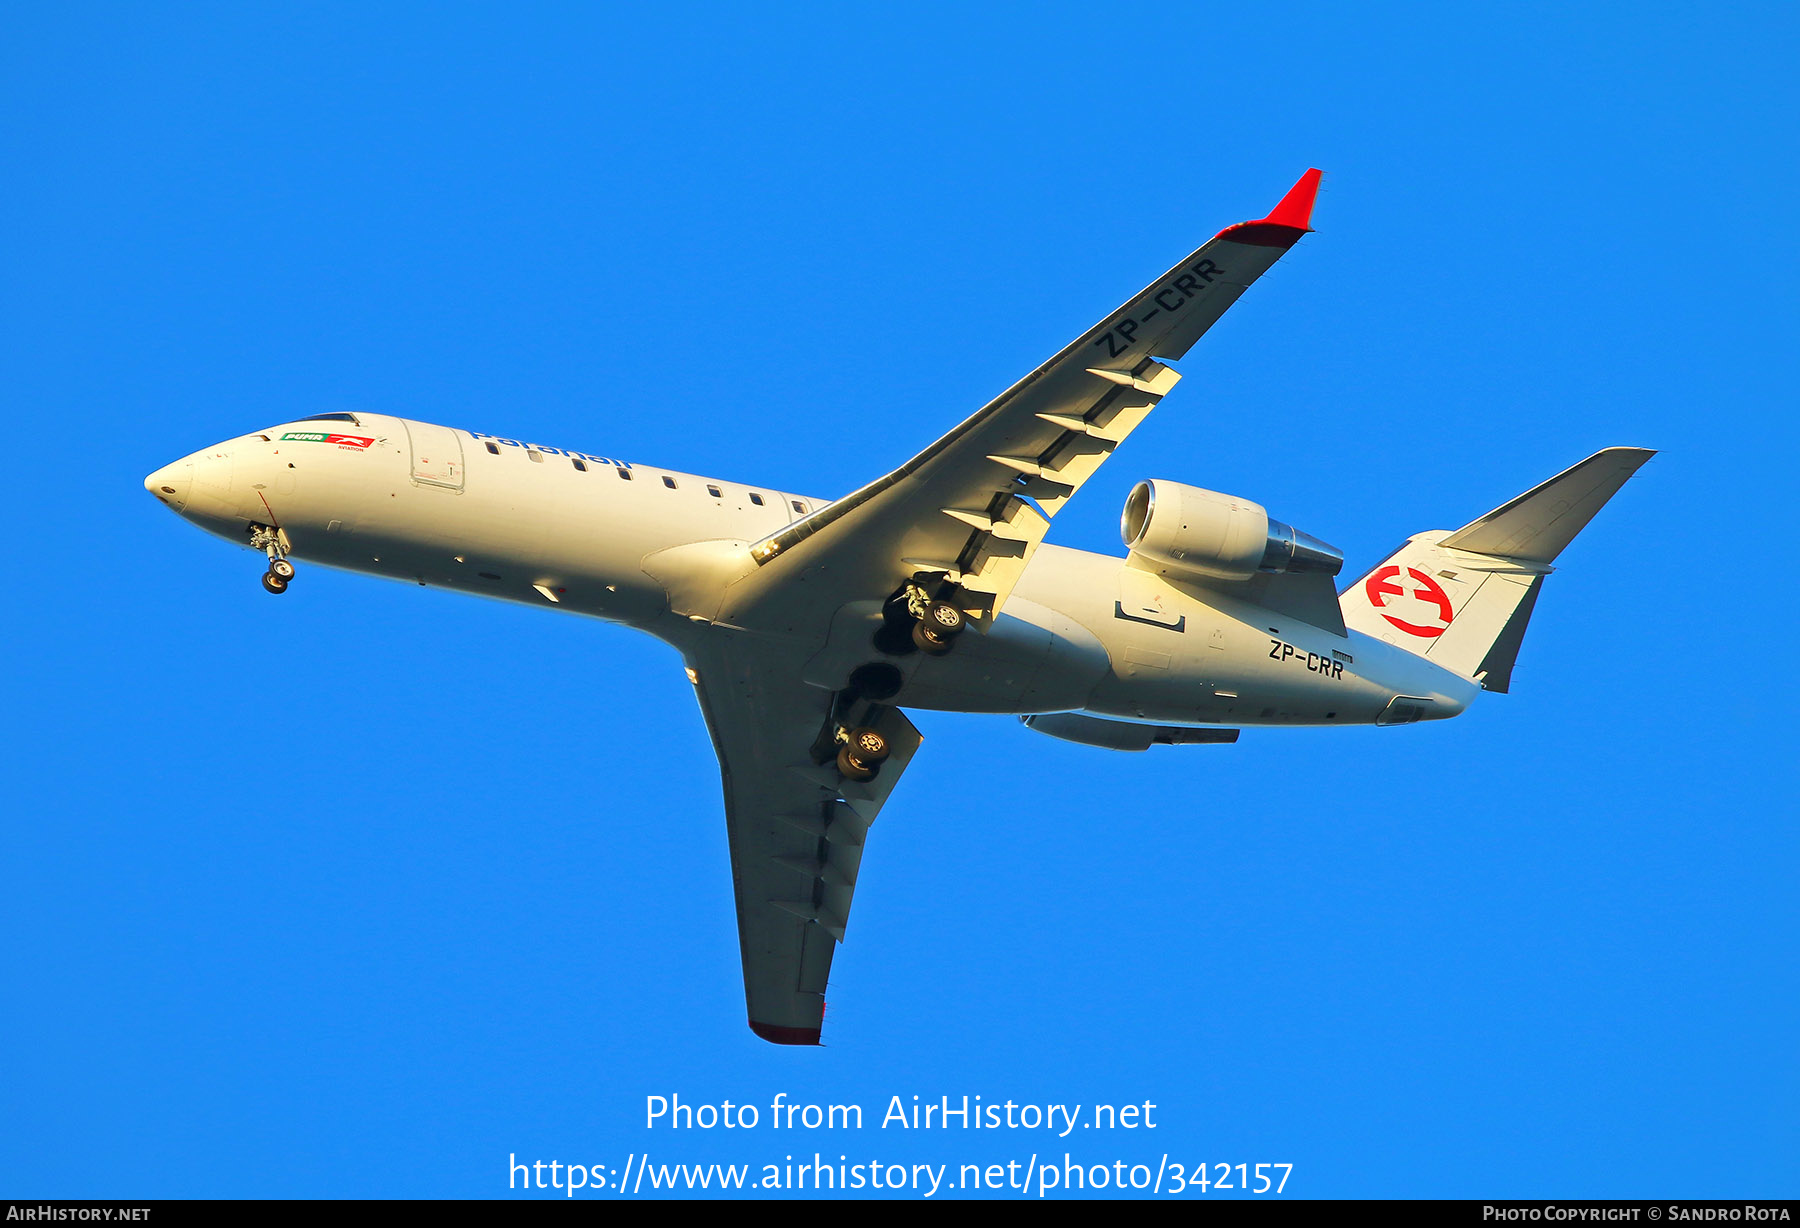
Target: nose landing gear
(274, 543)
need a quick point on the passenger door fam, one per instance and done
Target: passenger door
(437, 457)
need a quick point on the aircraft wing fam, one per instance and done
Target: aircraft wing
(967, 513)
(796, 826)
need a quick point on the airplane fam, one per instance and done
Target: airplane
(808, 626)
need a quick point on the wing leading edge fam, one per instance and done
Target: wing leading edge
(968, 512)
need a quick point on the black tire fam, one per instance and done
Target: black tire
(868, 747)
(274, 583)
(945, 619)
(850, 769)
(929, 641)
(282, 570)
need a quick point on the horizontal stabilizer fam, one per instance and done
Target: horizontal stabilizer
(1539, 523)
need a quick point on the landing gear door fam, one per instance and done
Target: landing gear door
(437, 457)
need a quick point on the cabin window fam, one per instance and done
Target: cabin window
(669, 482)
(578, 463)
(492, 447)
(624, 474)
(800, 507)
(713, 491)
(756, 498)
(535, 455)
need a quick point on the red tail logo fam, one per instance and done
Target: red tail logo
(1423, 591)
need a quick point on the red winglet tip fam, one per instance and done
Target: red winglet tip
(1296, 207)
(1286, 222)
(776, 1034)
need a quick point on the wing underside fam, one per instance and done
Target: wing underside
(796, 827)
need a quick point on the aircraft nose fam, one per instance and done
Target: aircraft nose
(172, 483)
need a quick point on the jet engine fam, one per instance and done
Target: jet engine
(1208, 535)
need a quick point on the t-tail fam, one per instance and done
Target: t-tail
(1461, 600)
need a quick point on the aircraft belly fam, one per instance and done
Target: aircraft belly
(1034, 659)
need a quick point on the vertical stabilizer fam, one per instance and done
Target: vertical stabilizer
(1462, 599)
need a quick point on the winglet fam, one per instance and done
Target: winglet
(1296, 207)
(1286, 222)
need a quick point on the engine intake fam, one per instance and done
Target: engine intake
(1204, 533)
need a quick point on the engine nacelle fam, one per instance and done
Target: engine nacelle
(1204, 533)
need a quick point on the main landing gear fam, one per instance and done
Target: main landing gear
(935, 632)
(915, 619)
(916, 622)
(863, 752)
(271, 542)
(849, 739)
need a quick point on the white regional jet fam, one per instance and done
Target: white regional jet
(807, 625)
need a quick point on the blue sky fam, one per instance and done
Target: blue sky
(361, 891)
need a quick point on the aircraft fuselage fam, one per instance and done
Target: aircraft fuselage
(668, 553)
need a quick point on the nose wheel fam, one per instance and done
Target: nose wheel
(273, 543)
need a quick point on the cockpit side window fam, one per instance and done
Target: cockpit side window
(350, 418)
